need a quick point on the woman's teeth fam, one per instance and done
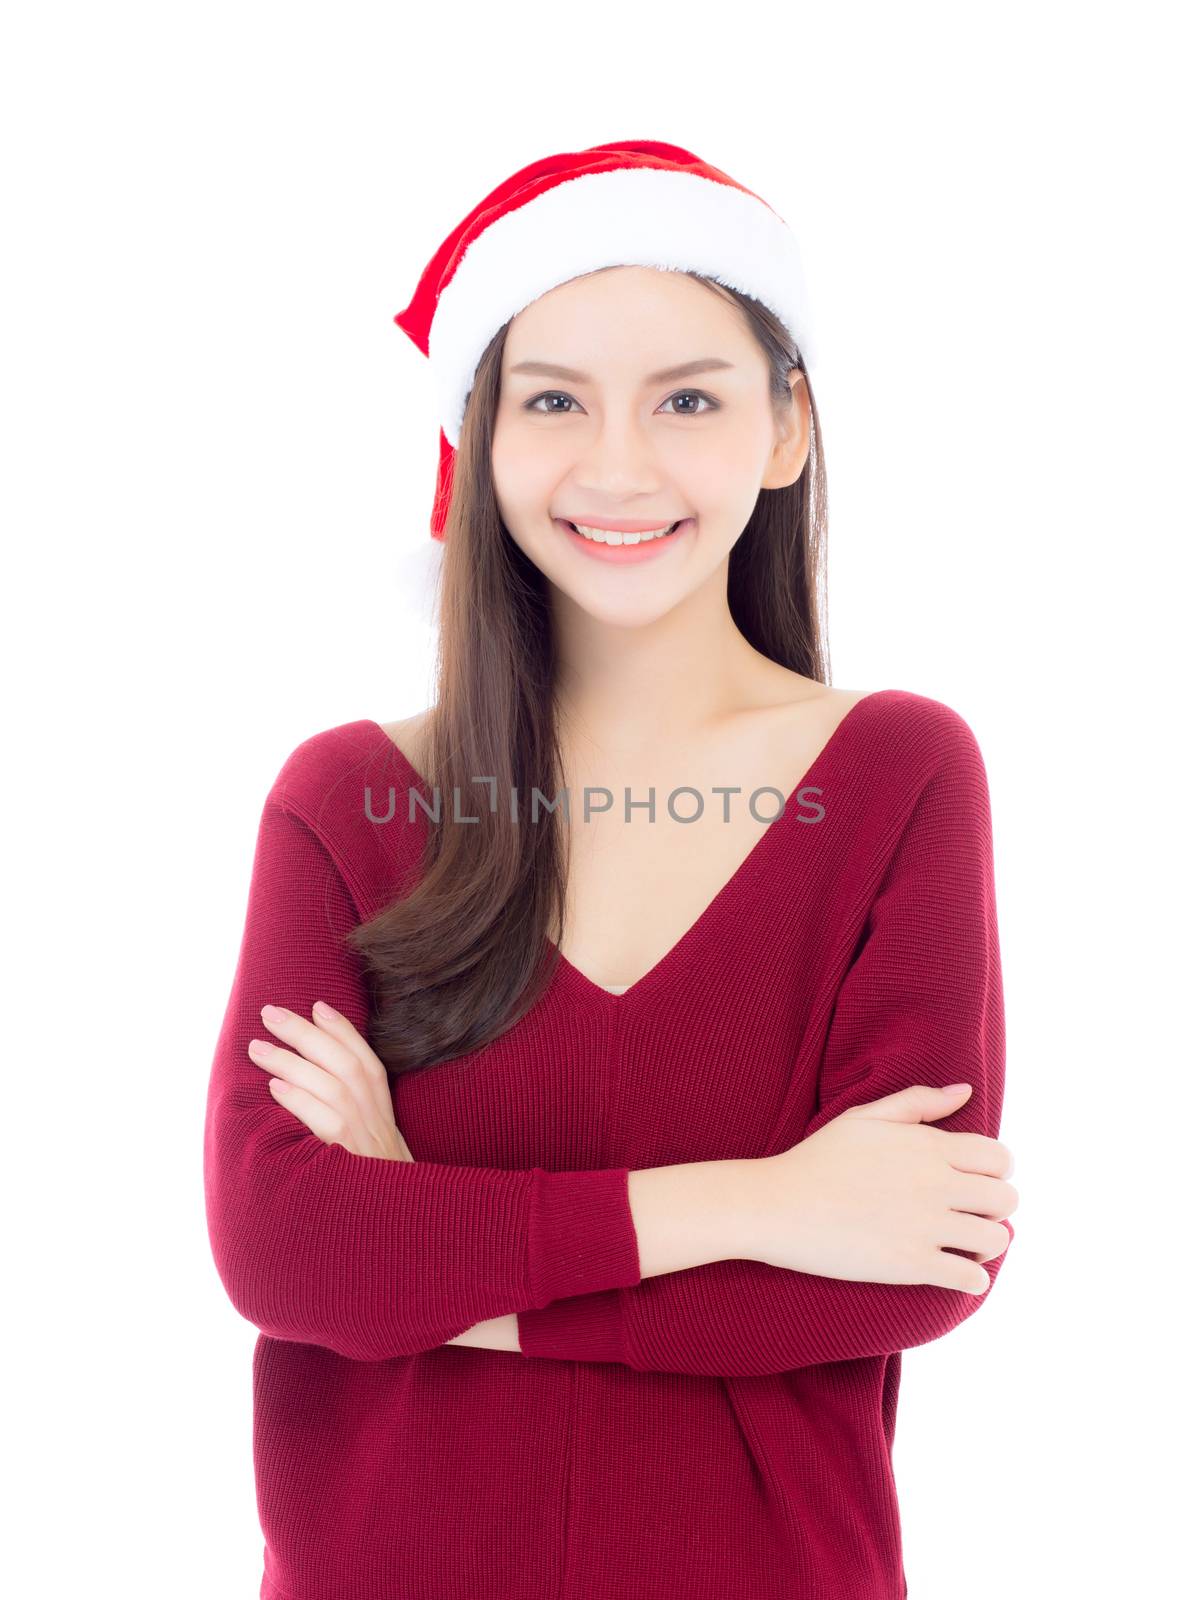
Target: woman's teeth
(606, 536)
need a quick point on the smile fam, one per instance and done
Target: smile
(614, 536)
(617, 547)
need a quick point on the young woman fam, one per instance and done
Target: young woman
(587, 1141)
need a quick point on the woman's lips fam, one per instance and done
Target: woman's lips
(625, 554)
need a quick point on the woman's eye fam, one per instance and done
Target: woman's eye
(693, 394)
(549, 395)
(557, 394)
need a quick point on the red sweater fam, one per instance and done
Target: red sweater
(721, 1430)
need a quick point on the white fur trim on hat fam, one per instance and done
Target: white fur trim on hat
(632, 217)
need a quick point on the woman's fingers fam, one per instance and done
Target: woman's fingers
(326, 1123)
(343, 1072)
(340, 1028)
(983, 1238)
(298, 1072)
(331, 1080)
(977, 1152)
(988, 1197)
(314, 1043)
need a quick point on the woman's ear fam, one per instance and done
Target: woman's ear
(791, 450)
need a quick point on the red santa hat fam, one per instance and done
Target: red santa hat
(633, 203)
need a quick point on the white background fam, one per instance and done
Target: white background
(219, 457)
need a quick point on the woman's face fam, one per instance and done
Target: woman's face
(618, 437)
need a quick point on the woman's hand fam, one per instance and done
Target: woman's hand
(331, 1080)
(878, 1196)
(335, 1084)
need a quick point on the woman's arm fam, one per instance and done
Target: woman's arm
(685, 1216)
(920, 1003)
(369, 1258)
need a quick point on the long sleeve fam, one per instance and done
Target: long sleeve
(920, 1002)
(366, 1257)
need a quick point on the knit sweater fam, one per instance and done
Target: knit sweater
(721, 1430)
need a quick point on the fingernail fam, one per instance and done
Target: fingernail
(274, 1013)
(325, 1010)
(954, 1088)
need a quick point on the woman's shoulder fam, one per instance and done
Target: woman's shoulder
(908, 734)
(911, 767)
(904, 709)
(336, 784)
(357, 750)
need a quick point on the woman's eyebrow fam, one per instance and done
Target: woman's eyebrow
(686, 369)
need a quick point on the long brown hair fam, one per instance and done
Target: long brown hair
(462, 955)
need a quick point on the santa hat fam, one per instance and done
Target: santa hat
(635, 203)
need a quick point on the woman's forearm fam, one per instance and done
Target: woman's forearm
(690, 1214)
(685, 1216)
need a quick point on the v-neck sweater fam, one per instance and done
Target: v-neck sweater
(725, 1429)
